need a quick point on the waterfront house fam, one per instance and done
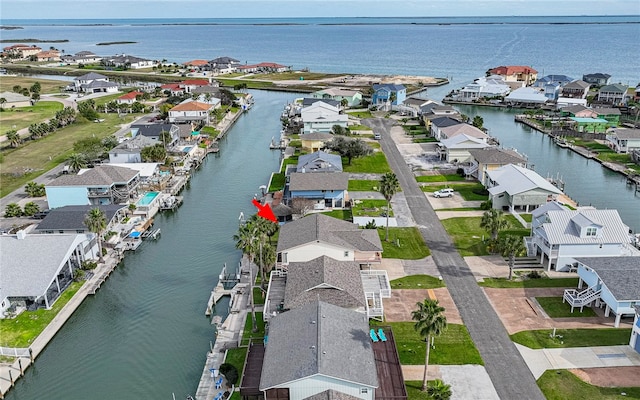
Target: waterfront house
(317, 234)
(309, 101)
(319, 347)
(48, 55)
(515, 73)
(315, 141)
(433, 111)
(437, 124)
(196, 64)
(578, 111)
(610, 114)
(328, 190)
(577, 89)
(81, 57)
(129, 98)
(223, 65)
(415, 105)
(94, 83)
(589, 125)
(173, 89)
(353, 98)
(127, 61)
(321, 117)
(385, 94)
(271, 67)
(611, 281)
(491, 158)
(615, 94)
(526, 97)
(560, 235)
(516, 188)
(70, 219)
(103, 184)
(130, 151)
(551, 85)
(14, 100)
(624, 140)
(155, 131)
(36, 269)
(21, 51)
(449, 132)
(634, 342)
(456, 149)
(319, 161)
(189, 85)
(484, 87)
(598, 78)
(191, 111)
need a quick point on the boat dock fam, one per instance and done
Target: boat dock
(217, 293)
(101, 276)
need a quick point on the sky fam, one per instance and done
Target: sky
(103, 9)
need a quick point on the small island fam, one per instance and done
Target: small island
(33, 40)
(110, 43)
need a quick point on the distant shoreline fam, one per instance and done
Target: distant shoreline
(34, 40)
(110, 43)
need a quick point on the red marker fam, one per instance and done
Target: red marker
(265, 211)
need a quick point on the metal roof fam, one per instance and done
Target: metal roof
(564, 226)
(514, 180)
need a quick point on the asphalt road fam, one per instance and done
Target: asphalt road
(510, 375)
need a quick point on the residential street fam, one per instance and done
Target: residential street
(504, 364)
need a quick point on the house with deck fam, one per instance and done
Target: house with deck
(456, 149)
(615, 94)
(388, 94)
(560, 236)
(463, 129)
(103, 184)
(515, 73)
(612, 282)
(191, 111)
(317, 234)
(589, 125)
(597, 78)
(353, 98)
(484, 88)
(155, 132)
(635, 331)
(36, 268)
(328, 190)
(315, 141)
(491, 158)
(319, 161)
(610, 114)
(70, 219)
(577, 89)
(623, 140)
(321, 117)
(516, 188)
(551, 85)
(130, 151)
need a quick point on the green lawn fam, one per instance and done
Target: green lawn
(440, 178)
(414, 390)
(417, 282)
(360, 114)
(236, 358)
(412, 245)
(364, 186)
(370, 208)
(39, 156)
(293, 160)
(467, 234)
(46, 85)
(340, 214)
(21, 331)
(374, 163)
(247, 334)
(19, 118)
(277, 182)
(257, 296)
(529, 283)
(453, 347)
(424, 140)
(563, 385)
(541, 339)
(468, 191)
(555, 308)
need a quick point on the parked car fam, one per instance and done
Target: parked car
(447, 192)
(377, 136)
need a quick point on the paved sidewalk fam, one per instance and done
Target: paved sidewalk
(539, 361)
(468, 382)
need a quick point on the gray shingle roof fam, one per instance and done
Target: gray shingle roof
(319, 227)
(494, 155)
(152, 130)
(625, 133)
(101, 175)
(316, 136)
(319, 339)
(443, 122)
(72, 217)
(90, 76)
(134, 145)
(319, 162)
(307, 101)
(621, 275)
(28, 266)
(323, 278)
(318, 181)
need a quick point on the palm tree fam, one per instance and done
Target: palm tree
(511, 246)
(430, 321)
(13, 138)
(389, 185)
(439, 390)
(493, 222)
(245, 241)
(33, 189)
(96, 221)
(76, 162)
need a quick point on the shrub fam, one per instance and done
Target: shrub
(486, 205)
(230, 372)
(480, 191)
(460, 171)
(534, 275)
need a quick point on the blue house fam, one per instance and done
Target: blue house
(611, 281)
(385, 93)
(635, 332)
(326, 189)
(551, 85)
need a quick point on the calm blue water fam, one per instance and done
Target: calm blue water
(147, 199)
(459, 48)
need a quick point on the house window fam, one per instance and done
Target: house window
(346, 253)
(364, 390)
(592, 231)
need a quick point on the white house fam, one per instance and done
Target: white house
(624, 140)
(191, 111)
(94, 83)
(491, 158)
(560, 235)
(130, 151)
(456, 149)
(484, 87)
(516, 188)
(352, 97)
(526, 96)
(321, 117)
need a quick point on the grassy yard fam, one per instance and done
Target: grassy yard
(541, 339)
(23, 164)
(19, 118)
(21, 331)
(236, 358)
(414, 390)
(277, 182)
(555, 308)
(257, 296)
(563, 385)
(412, 245)
(370, 208)
(293, 160)
(468, 191)
(364, 186)
(417, 282)
(46, 85)
(294, 75)
(529, 283)
(247, 334)
(360, 114)
(440, 178)
(453, 347)
(374, 163)
(467, 234)
(340, 214)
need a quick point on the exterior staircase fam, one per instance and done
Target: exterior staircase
(580, 299)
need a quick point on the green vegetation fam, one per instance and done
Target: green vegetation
(563, 385)
(440, 178)
(417, 282)
(247, 334)
(22, 330)
(425, 140)
(236, 358)
(251, 84)
(412, 245)
(541, 339)
(293, 75)
(340, 214)
(468, 191)
(414, 390)
(453, 347)
(258, 297)
(360, 114)
(370, 208)
(20, 118)
(359, 128)
(555, 308)
(46, 85)
(467, 234)
(293, 160)
(529, 283)
(374, 163)
(277, 182)
(364, 186)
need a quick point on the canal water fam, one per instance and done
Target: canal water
(144, 334)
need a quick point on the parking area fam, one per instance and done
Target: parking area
(403, 302)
